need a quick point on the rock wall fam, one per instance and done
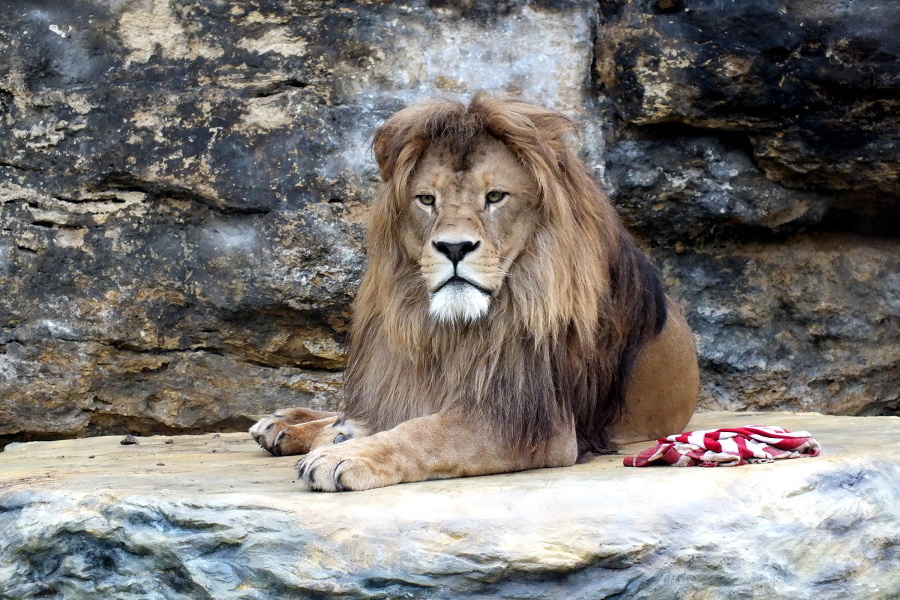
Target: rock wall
(756, 147)
(183, 187)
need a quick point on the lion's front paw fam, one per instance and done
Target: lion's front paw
(343, 468)
(269, 433)
(285, 433)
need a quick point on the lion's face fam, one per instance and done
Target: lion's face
(467, 220)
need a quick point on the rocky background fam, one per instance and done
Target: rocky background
(183, 186)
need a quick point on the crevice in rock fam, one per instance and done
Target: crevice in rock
(127, 346)
(279, 87)
(33, 436)
(110, 423)
(275, 361)
(263, 364)
(111, 196)
(593, 76)
(16, 167)
(870, 219)
(46, 224)
(126, 182)
(663, 131)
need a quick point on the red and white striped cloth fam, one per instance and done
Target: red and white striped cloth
(727, 447)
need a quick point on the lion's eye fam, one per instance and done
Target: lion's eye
(495, 196)
(426, 199)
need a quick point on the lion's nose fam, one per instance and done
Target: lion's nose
(455, 251)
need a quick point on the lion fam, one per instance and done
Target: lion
(505, 320)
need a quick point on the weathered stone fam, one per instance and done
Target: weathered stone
(729, 128)
(170, 318)
(205, 517)
(742, 119)
(183, 188)
(64, 389)
(672, 186)
(812, 87)
(812, 323)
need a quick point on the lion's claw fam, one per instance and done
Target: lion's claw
(291, 431)
(318, 474)
(267, 436)
(344, 467)
(276, 445)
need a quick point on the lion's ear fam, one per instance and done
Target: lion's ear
(385, 150)
(397, 145)
(399, 138)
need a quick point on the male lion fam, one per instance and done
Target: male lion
(506, 320)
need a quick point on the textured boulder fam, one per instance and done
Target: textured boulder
(183, 189)
(733, 127)
(216, 517)
(809, 323)
(809, 88)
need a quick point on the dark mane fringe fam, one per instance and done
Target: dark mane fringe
(638, 296)
(551, 349)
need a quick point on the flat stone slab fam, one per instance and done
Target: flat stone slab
(213, 516)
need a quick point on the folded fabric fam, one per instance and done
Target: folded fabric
(727, 447)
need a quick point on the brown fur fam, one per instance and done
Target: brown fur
(553, 357)
(580, 329)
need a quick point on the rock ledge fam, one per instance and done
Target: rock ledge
(215, 517)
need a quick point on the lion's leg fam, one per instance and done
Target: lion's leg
(301, 415)
(437, 446)
(663, 390)
(292, 430)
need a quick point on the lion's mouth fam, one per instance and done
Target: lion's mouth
(457, 280)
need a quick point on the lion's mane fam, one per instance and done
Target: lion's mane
(563, 333)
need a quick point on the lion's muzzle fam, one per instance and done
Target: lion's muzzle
(455, 251)
(459, 294)
(462, 281)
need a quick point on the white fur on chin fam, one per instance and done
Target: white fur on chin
(459, 302)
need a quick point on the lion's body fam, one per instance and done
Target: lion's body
(505, 320)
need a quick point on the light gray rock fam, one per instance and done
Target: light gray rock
(216, 517)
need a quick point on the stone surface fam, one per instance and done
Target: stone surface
(731, 127)
(216, 517)
(810, 87)
(730, 119)
(183, 188)
(810, 323)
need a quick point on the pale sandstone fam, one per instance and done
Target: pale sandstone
(216, 517)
